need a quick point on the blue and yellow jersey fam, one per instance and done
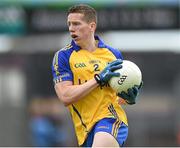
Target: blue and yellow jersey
(78, 65)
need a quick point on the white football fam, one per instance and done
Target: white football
(130, 75)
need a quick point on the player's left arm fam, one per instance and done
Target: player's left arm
(131, 96)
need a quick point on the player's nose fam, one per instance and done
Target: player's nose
(71, 28)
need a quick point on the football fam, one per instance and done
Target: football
(130, 75)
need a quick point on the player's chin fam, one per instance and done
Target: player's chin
(77, 41)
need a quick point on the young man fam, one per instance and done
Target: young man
(81, 72)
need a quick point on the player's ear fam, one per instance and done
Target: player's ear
(93, 26)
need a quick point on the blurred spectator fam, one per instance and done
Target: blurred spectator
(46, 123)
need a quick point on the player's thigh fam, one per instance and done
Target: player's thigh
(104, 139)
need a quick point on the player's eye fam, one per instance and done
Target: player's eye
(76, 23)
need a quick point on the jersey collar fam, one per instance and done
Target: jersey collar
(100, 44)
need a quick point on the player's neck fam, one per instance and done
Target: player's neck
(90, 45)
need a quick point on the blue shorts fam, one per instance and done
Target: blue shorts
(116, 128)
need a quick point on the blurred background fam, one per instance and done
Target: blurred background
(31, 31)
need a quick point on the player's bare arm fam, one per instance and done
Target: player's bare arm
(69, 93)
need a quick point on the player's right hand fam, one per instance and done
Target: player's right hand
(108, 72)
